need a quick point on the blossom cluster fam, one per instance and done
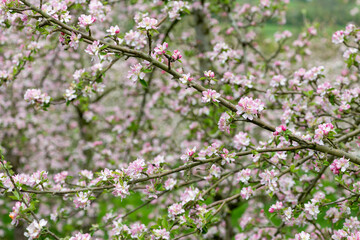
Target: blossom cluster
(323, 131)
(162, 165)
(249, 108)
(37, 98)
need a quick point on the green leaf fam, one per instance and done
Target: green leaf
(165, 223)
(309, 93)
(147, 70)
(292, 168)
(271, 194)
(332, 99)
(144, 83)
(103, 47)
(16, 194)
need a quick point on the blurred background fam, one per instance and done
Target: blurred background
(329, 15)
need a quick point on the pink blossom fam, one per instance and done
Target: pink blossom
(215, 171)
(148, 23)
(322, 88)
(224, 122)
(278, 80)
(105, 174)
(210, 95)
(227, 156)
(344, 106)
(190, 194)
(249, 108)
(174, 8)
(36, 97)
(312, 31)
(283, 35)
(246, 192)
(241, 140)
(19, 206)
(279, 130)
(161, 48)
(322, 131)
(338, 37)
(60, 177)
(350, 52)
(121, 190)
(94, 48)
(160, 234)
(349, 29)
(70, 94)
(265, 3)
(82, 200)
(340, 234)
(243, 176)
(176, 55)
(276, 207)
(340, 164)
(158, 160)
(189, 153)
(34, 229)
(81, 236)
(113, 30)
(175, 210)
(86, 20)
(74, 40)
(302, 236)
(269, 179)
(186, 78)
(135, 39)
(86, 173)
(311, 210)
(209, 74)
(314, 73)
(135, 168)
(228, 77)
(170, 184)
(137, 229)
(136, 72)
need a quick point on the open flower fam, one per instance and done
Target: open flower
(34, 229)
(249, 108)
(113, 30)
(86, 20)
(210, 95)
(148, 23)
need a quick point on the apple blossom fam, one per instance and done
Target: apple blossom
(86, 20)
(148, 23)
(176, 55)
(175, 210)
(210, 96)
(80, 236)
(113, 159)
(136, 73)
(185, 79)
(246, 192)
(34, 229)
(161, 48)
(302, 236)
(241, 140)
(113, 30)
(339, 165)
(249, 108)
(36, 97)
